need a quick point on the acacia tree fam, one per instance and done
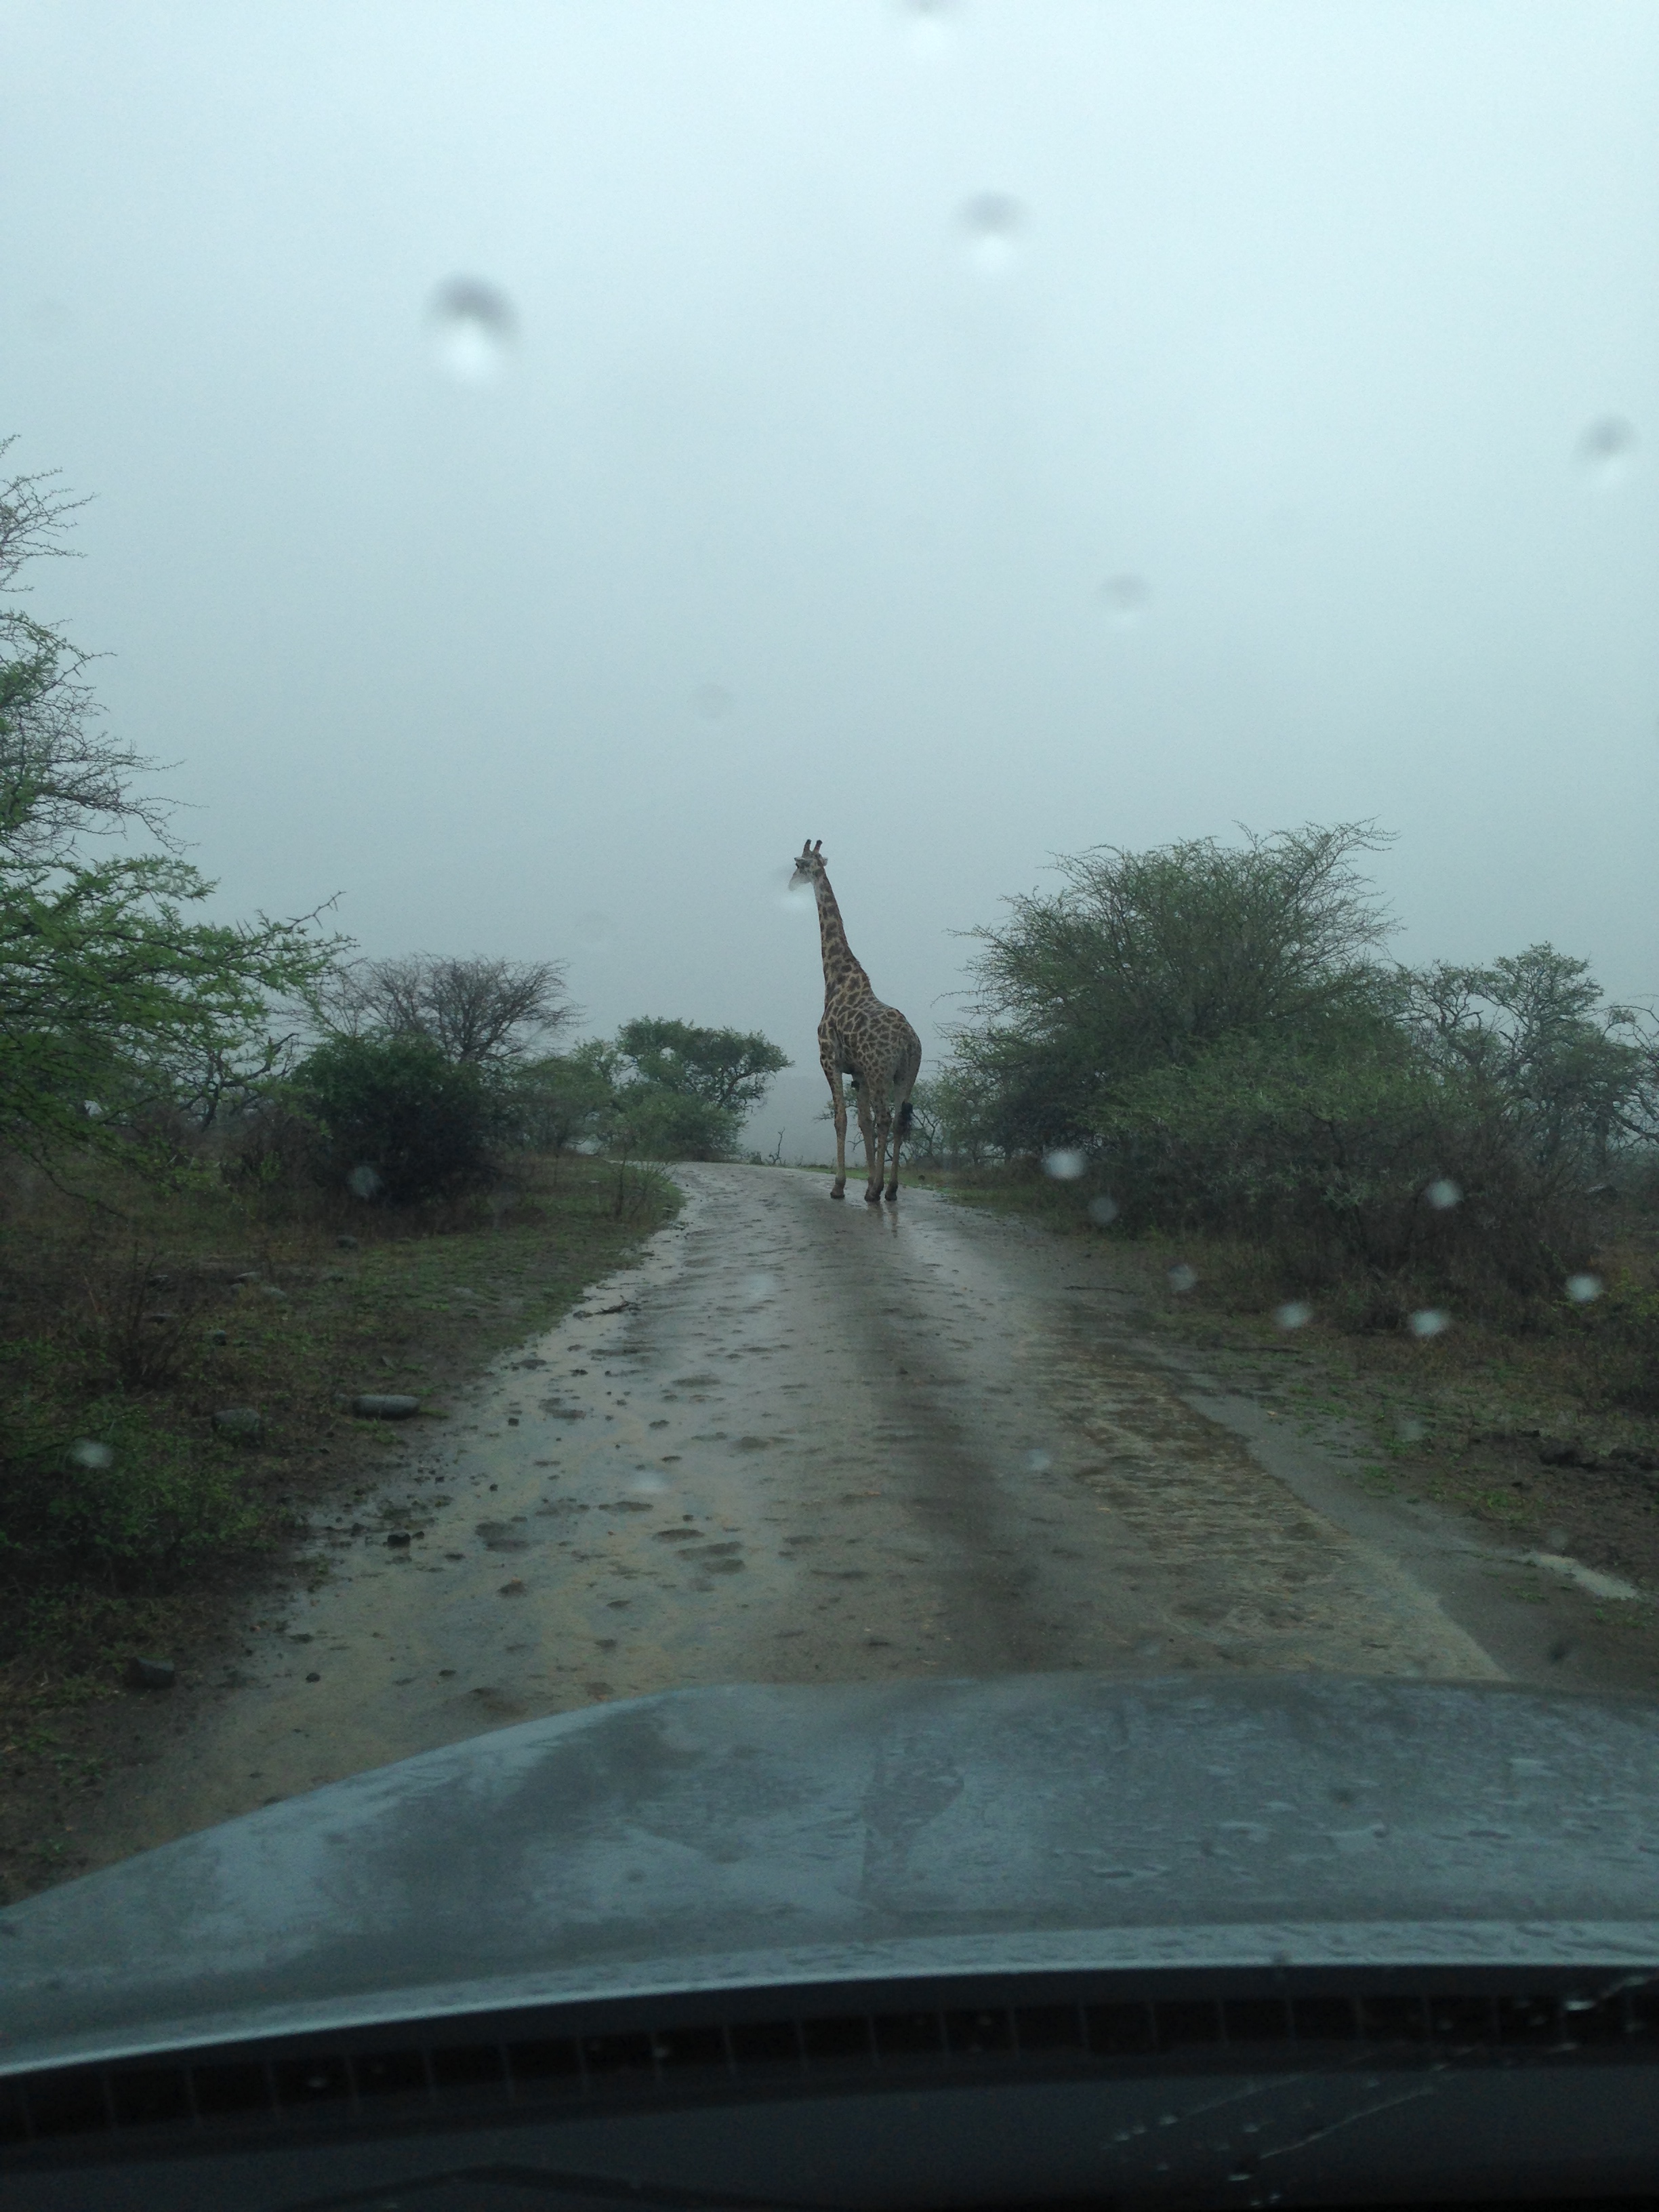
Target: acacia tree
(1143, 960)
(112, 995)
(730, 1070)
(477, 1012)
(61, 774)
(563, 1099)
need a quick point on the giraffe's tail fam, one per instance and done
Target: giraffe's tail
(906, 1114)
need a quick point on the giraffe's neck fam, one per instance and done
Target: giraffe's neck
(839, 968)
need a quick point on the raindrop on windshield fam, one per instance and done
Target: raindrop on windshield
(1410, 1430)
(1293, 1314)
(473, 327)
(85, 1452)
(595, 929)
(1607, 451)
(364, 1181)
(1126, 598)
(1039, 1462)
(1181, 1277)
(1581, 1288)
(1065, 1166)
(992, 224)
(1443, 1194)
(1102, 1210)
(932, 24)
(1428, 1321)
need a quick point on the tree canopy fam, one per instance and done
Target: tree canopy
(729, 1069)
(113, 995)
(477, 1011)
(1215, 1032)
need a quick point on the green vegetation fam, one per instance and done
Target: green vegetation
(664, 1090)
(397, 1116)
(1208, 1042)
(117, 1009)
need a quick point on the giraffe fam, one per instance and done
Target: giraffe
(860, 1037)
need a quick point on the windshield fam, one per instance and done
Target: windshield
(831, 864)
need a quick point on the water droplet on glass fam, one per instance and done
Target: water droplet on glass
(1038, 1462)
(1607, 451)
(1126, 598)
(992, 224)
(1581, 1288)
(1410, 1430)
(473, 327)
(595, 929)
(85, 1452)
(1556, 1540)
(1428, 1321)
(1293, 1314)
(1443, 1194)
(1102, 1211)
(932, 24)
(1066, 1166)
(759, 1288)
(712, 701)
(1181, 1277)
(364, 1181)
(649, 1485)
(1149, 1649)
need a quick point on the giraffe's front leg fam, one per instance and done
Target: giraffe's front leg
(838, 1104)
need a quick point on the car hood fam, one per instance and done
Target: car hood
(747, 1836)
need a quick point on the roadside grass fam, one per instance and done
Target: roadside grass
(1545, 1426)
(130, 1524)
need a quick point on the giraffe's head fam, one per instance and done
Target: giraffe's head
(809, 869)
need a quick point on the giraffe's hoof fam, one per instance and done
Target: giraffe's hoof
(873, 1197)
(892, 1194)
(837, 1191)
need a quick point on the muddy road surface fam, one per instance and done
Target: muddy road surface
(810, 1441)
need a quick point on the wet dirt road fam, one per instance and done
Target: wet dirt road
(806, 1442)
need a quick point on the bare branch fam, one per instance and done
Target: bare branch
(478, 1010)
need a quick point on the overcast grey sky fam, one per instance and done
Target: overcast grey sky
(960, 433)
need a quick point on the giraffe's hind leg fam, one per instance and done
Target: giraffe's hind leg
(898, 1138)
(878, 1154)
(902, 1113)
(873, 1158)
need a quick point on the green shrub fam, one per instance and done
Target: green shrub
(120, 1495)
(1620, 1331)
(401, 1121)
